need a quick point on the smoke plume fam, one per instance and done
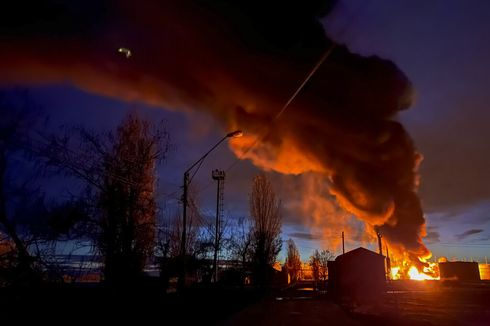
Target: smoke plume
(240, 61)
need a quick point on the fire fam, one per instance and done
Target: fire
(394, 273)
(414, 274)
(430, 272)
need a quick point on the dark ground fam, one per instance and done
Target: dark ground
(406, 303)
(95, 304)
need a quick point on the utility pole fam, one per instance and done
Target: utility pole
(187, 181)
(343, 246)
(219, 176)
(379, 243)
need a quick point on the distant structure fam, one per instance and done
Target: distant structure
(484, 271)
(459, 271)
(358, 275)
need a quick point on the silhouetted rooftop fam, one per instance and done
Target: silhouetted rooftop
(359, 252)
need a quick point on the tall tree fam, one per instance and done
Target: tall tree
(266, 228)
(120, 168)
(127, 199)
(315, 266)
(293, 261)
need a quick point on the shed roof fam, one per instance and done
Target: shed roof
(360, 252)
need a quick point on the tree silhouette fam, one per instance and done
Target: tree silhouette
(17, 119)
(293, 261)
(241, 245)
(266, 228)
(318, 263)
(127, 199)
(119, 168)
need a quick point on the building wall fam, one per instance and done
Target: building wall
(358, 275)
(459, 271)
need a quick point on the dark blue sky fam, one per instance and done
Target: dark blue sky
(444, 49)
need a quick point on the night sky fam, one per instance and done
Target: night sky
(443, 47)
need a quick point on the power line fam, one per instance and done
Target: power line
(322, 59)
(286, 105)
(260, 138)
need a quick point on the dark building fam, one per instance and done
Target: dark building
(459, 271)
(357, 275)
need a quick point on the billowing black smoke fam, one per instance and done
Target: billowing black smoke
(240, 61)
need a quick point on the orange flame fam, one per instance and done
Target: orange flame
(430, 271)
(414, 274)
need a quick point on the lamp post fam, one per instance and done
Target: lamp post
(187, 181)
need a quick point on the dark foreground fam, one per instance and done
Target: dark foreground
(405, 303)
(98, 305)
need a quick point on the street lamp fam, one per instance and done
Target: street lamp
(187, 181)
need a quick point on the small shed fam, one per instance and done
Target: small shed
(459, 271)
(357, 275)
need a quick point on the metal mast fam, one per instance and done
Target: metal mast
(219, 176)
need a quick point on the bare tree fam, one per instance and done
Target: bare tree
(199, 244)
(128, 203)
(16, 123)
(319, 262)
(266, 228)
(223, 243)
(31, 225)
(193, 234)
(120, 168)
(241, 238)
(168, 246)
(293, 261)
(315, 266)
